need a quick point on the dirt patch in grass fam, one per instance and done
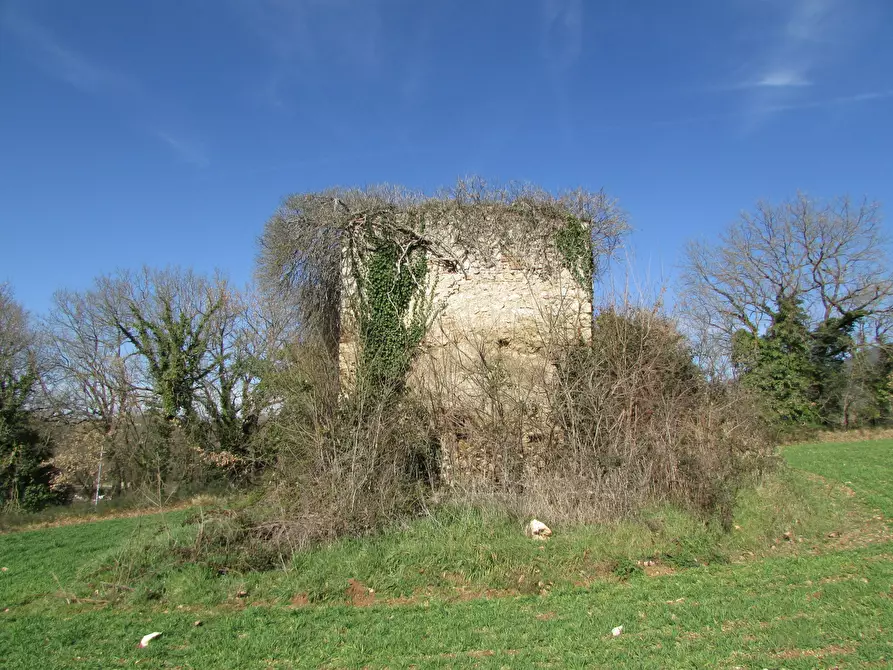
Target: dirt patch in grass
(658, 570)
(830, 650)
(76, 520)
(300, 600)
(830, 486)
(846, 437)
(358, 594)
(464, 595)
(404, 600)
(836, 579)
(871, 531)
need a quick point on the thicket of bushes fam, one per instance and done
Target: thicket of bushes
(593, 429)
(164, 381)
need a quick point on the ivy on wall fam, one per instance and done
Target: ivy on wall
(573, 241)
(393, 311)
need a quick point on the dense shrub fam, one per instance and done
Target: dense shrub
(629, 420)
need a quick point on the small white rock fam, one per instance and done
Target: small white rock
(617, 631)
(148, 638)
(537, 530)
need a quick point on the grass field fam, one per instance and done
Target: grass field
(804, 581)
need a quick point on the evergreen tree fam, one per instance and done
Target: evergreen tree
(778, 365)
(869, 387)
(25, 474)
(832, 346)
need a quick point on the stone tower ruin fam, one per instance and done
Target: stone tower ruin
(499, 300)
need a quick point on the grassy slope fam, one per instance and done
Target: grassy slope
(865, 467)
(819, 603)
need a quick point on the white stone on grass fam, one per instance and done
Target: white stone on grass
(537, 530)
(148, 638)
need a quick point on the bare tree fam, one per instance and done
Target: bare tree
(166, 317)
(169, 340)
(830, 256)
(93, 390)
(94, 371)
(244, 342)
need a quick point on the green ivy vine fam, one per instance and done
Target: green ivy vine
(393, 314)
(573, 241)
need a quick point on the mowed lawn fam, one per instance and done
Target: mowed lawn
(800, 606)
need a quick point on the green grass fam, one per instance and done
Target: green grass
(130, 503)
(40, 563)
(865, 467)
(461, 552)
(749, 599)
(726, 616)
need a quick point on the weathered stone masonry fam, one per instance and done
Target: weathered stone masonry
(504, 304)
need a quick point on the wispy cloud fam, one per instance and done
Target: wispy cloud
(842, 100)
(800, 42)
(61, 61)
(562, 32)
(300, 35)
(800, 45)
(772, 80)
(747, 115)
(58, 60)
(782, 79)
(189, 151)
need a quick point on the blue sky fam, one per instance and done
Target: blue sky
(166, 132)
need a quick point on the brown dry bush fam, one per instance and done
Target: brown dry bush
(588, 430)
(588, 423)
(350, 460)
(354, 452)
(611, 424)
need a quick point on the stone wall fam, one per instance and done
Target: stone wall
(506, 301)
(496, 302)
(505, 311)
(507, 316)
